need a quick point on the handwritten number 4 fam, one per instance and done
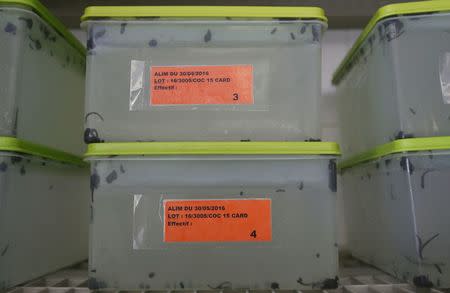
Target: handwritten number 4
(253, 234)
(235, 97)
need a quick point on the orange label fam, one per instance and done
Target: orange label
(201, 85)
(229, 220)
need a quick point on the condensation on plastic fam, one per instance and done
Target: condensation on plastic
(444, 74)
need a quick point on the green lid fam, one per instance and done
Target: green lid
(11, 144)
(400, 9)
(47, 16)
(399, 146)
(212, 148)
(202, 11)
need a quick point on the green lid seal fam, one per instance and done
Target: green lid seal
(11, 144)
(95, 12)
(398, 146)
(212, 148)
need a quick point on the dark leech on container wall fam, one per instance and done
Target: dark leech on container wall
(402, 135)
(4, 250)
(16, 159)
(94, 183)
(393, 28)
(91, 136)
(422, 282)
(93, 114)
(407, 165)
(330, 284)
(423, 245)
(36, 43)
(422, 178)
(28, 21)
(122, 27)
(10, 28)
(332, 169)
(316, 30)
(3, 167)
(313, 140)
(45, 31)
(111, 177)
(303, 28)
(153, 43)
(208, 36)
(391, 192)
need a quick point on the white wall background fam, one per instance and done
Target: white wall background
(336, 44)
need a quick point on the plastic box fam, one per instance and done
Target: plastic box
(394, 83)
(44, 211)
(396, 206)
(42, 76)
(213, 215)
(203, 73)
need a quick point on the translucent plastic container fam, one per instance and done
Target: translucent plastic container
(41, 77)
(44, 211)
(396, 205)
(394, 83)
(213, 215)
(203, 73)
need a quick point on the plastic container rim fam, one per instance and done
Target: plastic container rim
(98, 12)
(211, 148)
(397, 146)
(391, 10)
(12, 144)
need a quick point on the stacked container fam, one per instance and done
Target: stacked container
(44, 193)
(211, 195)
(394, 82)
(396, 207)
(200, 215)
(44, 211)
(41, 77)
(203, 73)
